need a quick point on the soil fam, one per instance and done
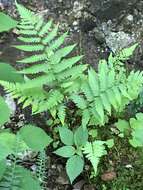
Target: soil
(98, 27)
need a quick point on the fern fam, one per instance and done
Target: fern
(94, 151)
(46, 47)
(105, 91)
(18, 178)
(51, 66)
(41, 168)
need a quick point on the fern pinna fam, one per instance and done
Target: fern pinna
(52, 70)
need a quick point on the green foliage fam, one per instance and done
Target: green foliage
(37, 133)
(94, 151)
(4, 112)
(17, 178)
(137, 130)
(66, 136)
(123, 127)
(13, 176)
(74, 167)
(7, 23)
(106, 91)
(80, 137)
(41, 168)
(52, 79)
(9, 73)
(28, 181)
(126, 53)
(2, 168)
(60, 74)
(9, 143)
(66, 151)
(133, 128)
(72, 150)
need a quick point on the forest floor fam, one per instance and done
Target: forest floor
(98, 27)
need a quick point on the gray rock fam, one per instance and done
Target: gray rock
(119, 40)
(110, 9)
(99, 35)
(11, 104)
(116, 40)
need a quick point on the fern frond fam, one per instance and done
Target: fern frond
(41, 168)
(56, 70)
(94, 151)
(107, 90)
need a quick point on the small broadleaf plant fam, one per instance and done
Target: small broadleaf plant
(76, 145)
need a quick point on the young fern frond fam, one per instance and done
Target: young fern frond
(94, 151)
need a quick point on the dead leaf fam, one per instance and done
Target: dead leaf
(108, 176)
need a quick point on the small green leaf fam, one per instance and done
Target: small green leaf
(66, 136)
(135, 143)
(110, 143)
(137, 130)
(74, 167)
(65, 151)
(80, 136)
(6, 22)
(35, 137)
(4, 112)
(122, 125)
(8, 139)
(93, 133)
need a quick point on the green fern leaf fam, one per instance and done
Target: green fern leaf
(94, 151)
